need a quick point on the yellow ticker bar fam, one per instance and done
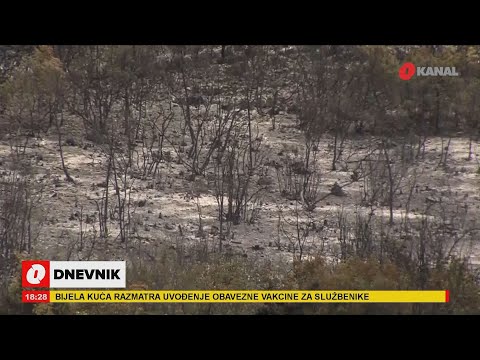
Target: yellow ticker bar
(248, 296)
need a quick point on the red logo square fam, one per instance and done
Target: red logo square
(36, 273)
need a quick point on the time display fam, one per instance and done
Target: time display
(35, 296)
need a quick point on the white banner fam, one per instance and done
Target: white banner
(74, 274)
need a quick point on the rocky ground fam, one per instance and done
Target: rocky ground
(166, 212)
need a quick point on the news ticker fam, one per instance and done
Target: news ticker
(84, 275)
(234, 296)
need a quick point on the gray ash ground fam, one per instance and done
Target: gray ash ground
(167, 213)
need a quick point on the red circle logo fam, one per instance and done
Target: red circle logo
(406, 71)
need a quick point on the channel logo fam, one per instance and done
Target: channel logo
(408, 70)
(73, 274)
(36, 273)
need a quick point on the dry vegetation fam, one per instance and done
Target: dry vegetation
(243, 167)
